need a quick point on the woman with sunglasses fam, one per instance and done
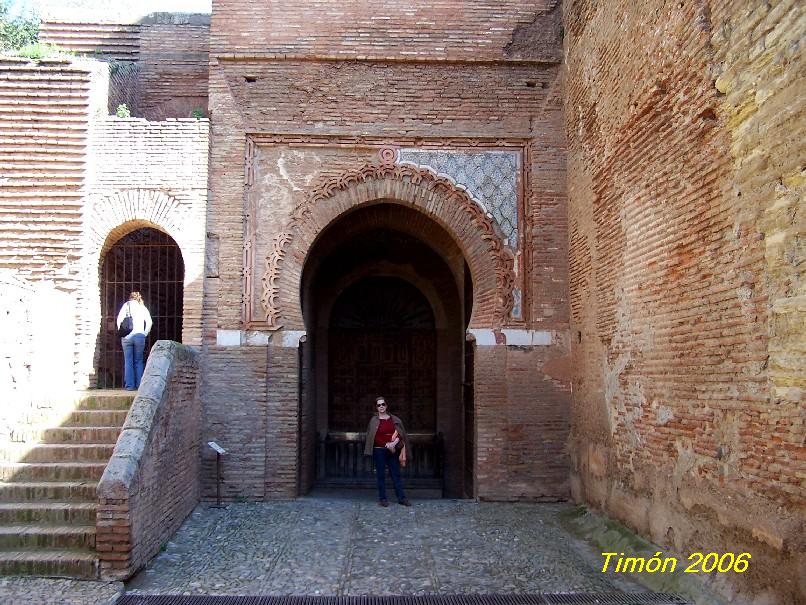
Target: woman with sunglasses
(384, 433)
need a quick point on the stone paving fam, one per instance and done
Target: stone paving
(332, 545)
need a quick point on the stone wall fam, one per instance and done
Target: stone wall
(303, 107)
(152, 480)
(685, 177)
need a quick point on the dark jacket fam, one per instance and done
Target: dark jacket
(372, 428)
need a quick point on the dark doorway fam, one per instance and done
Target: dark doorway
(382, 297)
(149, 261)
(382, 342)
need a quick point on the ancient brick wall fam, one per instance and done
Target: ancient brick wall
(303, 93)
(687, 307)
(152, 480)
(143, 174)
(437, 30)
(119, 41)
(158, 64)
(75, 182)
(174, 58)
(44, 113)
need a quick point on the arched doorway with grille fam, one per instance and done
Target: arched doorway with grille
(149, 261)
(385, 307)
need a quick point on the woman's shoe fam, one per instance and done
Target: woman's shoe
(383, 503)
(404, 502)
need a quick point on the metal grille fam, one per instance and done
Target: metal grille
(618, 598)
(150, 262)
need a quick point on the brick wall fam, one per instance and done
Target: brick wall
(326, 87)
(140, 174)
(44, 112)
(119, 41)
(158, 64)
(75, 182)
(683, 171)
(349, 30)
(152, 480)
(174, 58)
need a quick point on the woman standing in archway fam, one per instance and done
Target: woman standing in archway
(385, 433)
(134, 342)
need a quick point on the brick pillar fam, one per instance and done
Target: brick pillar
(282, 433)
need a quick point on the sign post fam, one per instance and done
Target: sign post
(219, 451)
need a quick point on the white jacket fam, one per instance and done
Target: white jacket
(141, 318)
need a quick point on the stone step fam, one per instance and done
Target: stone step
(61, 491)
(59, 452)
(49, 563)
(62, 434)
(51, 471)
(24, 537)
(96, 418)
(105, 402)
(53, 513)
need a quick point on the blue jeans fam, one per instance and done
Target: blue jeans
(133, 347)
(383, 458)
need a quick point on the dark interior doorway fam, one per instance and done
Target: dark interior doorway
(385, 313)
(382, 341)
(149, 261)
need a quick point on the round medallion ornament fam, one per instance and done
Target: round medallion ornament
(388, 155)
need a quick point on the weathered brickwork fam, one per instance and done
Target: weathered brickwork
(173, 62)
(449, 29)
(320, 97)
(151, 482)
(118, 41)
(44, 111)
(77, 181)
(158, 64)
(685, 176)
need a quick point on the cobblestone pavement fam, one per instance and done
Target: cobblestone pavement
(42, 591)
(332, 545)
(341, 546)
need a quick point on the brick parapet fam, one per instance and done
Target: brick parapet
(152, 480)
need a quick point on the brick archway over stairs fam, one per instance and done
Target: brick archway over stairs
(476, 234)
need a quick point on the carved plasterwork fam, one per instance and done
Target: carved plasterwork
(500, 254)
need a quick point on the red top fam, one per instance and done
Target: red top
(386, 428)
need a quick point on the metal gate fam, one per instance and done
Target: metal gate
(150, 262)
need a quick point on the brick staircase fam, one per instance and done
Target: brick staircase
(47, 494)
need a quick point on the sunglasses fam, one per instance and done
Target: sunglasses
(383, 403)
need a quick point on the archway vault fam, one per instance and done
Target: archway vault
(111, 217)
(477, 236)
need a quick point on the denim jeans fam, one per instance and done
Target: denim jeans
(383, 458)
(133, 347)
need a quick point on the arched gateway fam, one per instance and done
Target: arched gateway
(384, 268)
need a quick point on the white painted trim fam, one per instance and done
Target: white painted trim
(228, 338)
(524, 338)
(256, 339)
(290, 338)
(527, 338)
(484, 337)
